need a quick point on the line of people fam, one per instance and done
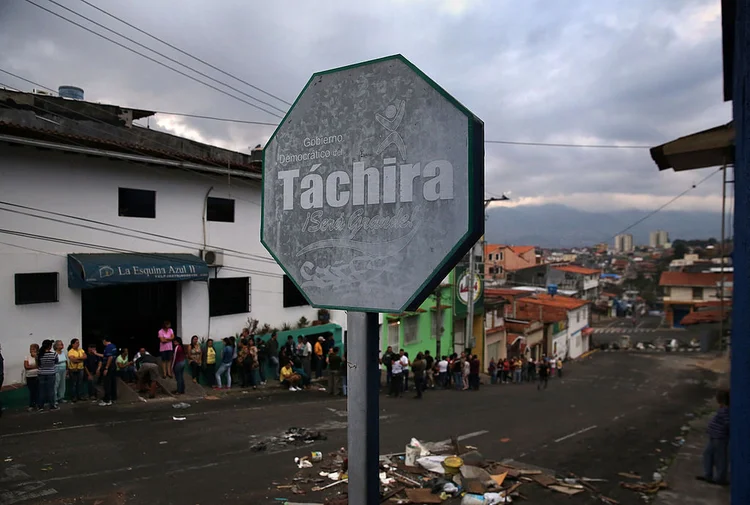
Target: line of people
(456, 371)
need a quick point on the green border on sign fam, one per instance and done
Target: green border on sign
(475, 228)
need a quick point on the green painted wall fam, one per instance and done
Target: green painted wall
(425, 339)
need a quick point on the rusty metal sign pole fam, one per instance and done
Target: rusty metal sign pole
(363, 431)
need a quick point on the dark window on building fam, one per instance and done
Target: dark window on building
(293, 297)
(220, 209)
(697, 293)
(228, 295)
(37, 288)
(136, 203)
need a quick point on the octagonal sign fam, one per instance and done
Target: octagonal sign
(373, 187)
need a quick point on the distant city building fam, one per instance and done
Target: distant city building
(658, 238)
(624, 242)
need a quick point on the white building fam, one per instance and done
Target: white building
(93, 216)
(624, 243)
(658, 238)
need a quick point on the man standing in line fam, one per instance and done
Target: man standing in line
(108, 372)
(307, 352)
(273, 353)
(443, 372)
(262, 348)
(474, 367)
(388, 362)
(429, 362)
(543, 373)
(397, 378)
(334, 371)
(418, 369)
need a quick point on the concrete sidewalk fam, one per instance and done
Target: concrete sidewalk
(684, 488)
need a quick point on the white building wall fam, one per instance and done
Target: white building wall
(577, 320)
(88, 187)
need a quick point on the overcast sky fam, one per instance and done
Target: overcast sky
(640, 72)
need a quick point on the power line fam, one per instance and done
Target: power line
(658, 209)
(549, 144)
(251, 256)
(155, 60)
(184, 52)
(164, 55)
(214, 118)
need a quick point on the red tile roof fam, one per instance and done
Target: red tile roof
(505, 292)
(518, 249)
(704, 316)
(560, 301)
(576, 269)
(705, 279)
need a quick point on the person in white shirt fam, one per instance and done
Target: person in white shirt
(397, 380)
(443, 372)
(307, 351)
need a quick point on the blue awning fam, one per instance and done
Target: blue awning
(95, 270)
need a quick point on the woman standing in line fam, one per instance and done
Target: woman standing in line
(195, 355)
(31, 372)
(209, 362)
(46, 361)
(178, 365)
(76, 359)
(166, 337)
(227, 357)
(61, 371)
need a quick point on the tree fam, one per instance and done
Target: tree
(680, 249)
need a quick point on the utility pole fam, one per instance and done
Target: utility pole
(469, 337)
(438, 320)
(470, 301)
(723, 253)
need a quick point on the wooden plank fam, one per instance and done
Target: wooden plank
(544, 480)
(565, 490)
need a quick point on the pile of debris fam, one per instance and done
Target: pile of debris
(292, 436)
(432, 473)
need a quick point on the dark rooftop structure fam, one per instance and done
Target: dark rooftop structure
(89, 128)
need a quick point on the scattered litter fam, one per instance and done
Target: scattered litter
(657, 477)
(433, 463)
(181, 405)
(178, 418)
(303, 463)
(588, 479)
(260, 446)
(565, 489)
(58, 423)
(685, 428)
(317, 488)
(47, 468)
(629, 475)
(505, 440)
(163, 442)
(642, 487)
(210, 397)
(316, 457)
(499, 479)
(8, 459)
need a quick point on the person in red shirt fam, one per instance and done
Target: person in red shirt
(506, 370)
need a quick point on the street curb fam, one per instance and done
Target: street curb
(587, 354)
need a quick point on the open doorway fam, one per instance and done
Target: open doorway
(130, 314)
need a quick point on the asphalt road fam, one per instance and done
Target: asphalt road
(607, 415)
(645, 329)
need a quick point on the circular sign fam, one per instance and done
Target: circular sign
(463, 288)
(372, 187)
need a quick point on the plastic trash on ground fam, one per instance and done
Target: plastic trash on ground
(181, 405)
(432, 463)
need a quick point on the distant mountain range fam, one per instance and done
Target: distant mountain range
(557, 225)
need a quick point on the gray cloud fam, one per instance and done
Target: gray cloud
(638, 72)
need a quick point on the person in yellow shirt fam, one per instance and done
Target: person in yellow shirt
(319, 359)
(559, 368)
(209, 362)
(287, 377)
(76, 358)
